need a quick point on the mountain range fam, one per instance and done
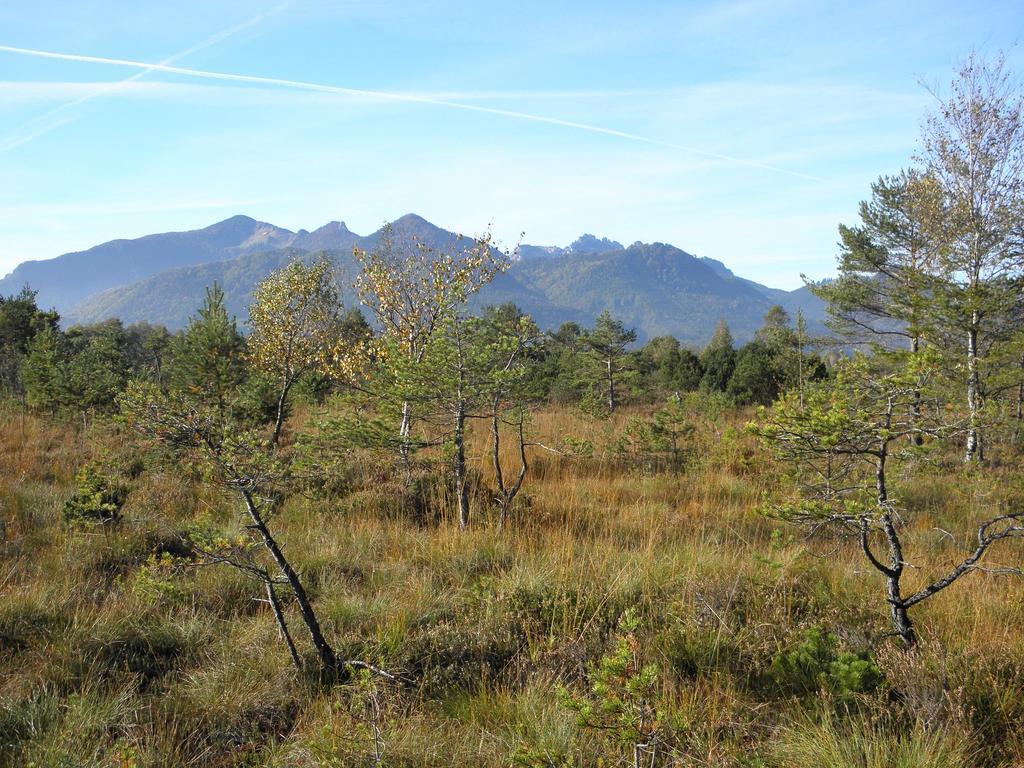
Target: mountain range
(653, 287)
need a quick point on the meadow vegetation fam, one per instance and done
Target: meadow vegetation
(430, 538)
(753, 645)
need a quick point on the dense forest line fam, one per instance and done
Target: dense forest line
(80, 371)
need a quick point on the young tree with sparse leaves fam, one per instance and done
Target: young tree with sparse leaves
(412, 289)
(973, 149)
(842, 447)
(295, 321)
(507, 340)
(239, 462)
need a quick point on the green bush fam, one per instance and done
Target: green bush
(622, 703)
(815, 662)
(98, 499)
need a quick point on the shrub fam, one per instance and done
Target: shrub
(622, 702)
(816, 663)
(154, 582)
(97, 500)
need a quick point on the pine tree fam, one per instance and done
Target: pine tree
(606, 345)
(887, 265)
(96, 370)
(758, 375)
(718, 360)
(506, 341)
(20, 321)
(43, 371)
(208, 361)
(842, 447)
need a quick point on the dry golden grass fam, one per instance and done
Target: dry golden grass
(483, 625)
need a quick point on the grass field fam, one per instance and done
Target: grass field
(769, 649)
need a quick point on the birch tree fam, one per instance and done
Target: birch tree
(295, 321)
(973, 147)
(412, 288)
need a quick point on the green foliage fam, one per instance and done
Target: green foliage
(97, 499)
(655, 441)
(21, 320)
(605, 352)
(718, 360)
(208, 360)
(42, 371)
(621, 704)
(148, 348)
(636, 441)
(156, 581)
(81, 370)
(829, 439)
(98, 366)
(757, 376)
(669, 366)
(816, 663)
(578, 447)
(672, 425)
(885, 264)
(255, 400)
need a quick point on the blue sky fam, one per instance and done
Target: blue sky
(754, 127)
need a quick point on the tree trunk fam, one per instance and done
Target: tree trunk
(406, 427)
(880, 487)
(282, 402)
(973, 387)
(499, 477)
(897, 607)
(900, 617)
(1020, 398)
(328, 661)
(506, 493)
(282, 625)
(461, 486)
(893, 572)
(915, 407)
(611, 386)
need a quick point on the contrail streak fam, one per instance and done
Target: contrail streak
(14, 140)
(17, 141)
(399, 97)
